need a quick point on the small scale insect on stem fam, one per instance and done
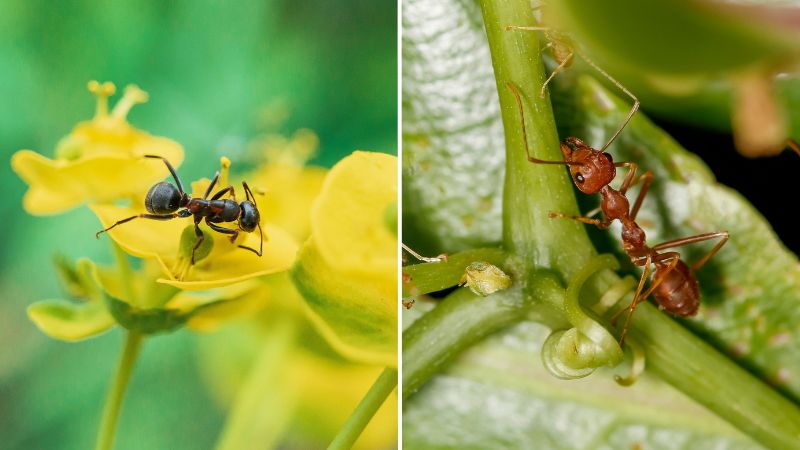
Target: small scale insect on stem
(563, 50)
(672, 283)
(165, 201)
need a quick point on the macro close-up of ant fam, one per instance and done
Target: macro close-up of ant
(673, 283)
(165, 201)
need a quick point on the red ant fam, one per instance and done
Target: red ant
(164, 199)
(672, 283)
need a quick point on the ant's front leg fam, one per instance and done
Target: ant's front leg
(222, 192)
(601, 224)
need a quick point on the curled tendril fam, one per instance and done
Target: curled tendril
(637, 365)
(576, 352)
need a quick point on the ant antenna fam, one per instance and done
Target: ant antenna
(622, 88)
(513, 88)
(249, 194)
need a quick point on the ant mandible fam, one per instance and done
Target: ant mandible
(563, 50)
(164, 200)
(672, 284)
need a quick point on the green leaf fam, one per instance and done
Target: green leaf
(680, 37)
(500, 396)
(356, 314)
(70, 320)
(74, 320)
(452, 134)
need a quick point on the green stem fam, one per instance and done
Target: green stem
(463, 319)
(367, 408)
(432, 277)
(711, 379)
(113, 405)
(126, 273)
(531, 191)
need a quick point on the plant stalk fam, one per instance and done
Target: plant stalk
(116, 394)
(365, 410)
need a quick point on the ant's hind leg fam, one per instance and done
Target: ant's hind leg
(211, 185)
(601, 224)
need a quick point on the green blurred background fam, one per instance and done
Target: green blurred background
(218, 75)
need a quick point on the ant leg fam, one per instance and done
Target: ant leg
(514, 90)
(234, 233)
(171, 170)
(555, 72)
(200, 236)
(602, 224)
(723, 235)
(222, 192)
(142, 216)
(260, 245)
(634, 302)
(249, 194)
(211, 185)
(622, 88)
(793, 145)
(648, 178)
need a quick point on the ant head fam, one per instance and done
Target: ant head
(164, 198)
(249, 217)
(590, 169)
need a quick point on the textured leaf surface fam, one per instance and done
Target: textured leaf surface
(452, 133)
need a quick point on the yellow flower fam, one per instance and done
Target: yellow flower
(290, 187)
(347, 269)
(100, 160)
(166, 242)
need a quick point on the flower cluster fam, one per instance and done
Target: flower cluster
(341, 281)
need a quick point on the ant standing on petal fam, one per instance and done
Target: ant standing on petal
(165, 200)
(672, 284)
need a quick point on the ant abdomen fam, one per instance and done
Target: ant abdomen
(678, 293)
(162, 198)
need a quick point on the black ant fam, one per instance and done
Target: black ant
(673, 284)
(164, 200)
(563, 50)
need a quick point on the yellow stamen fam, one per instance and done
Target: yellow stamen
(133, 95)
(102, 91)
(225, 164)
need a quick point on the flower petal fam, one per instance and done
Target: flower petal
(227, 264)
(356, 314)
(59, 185)
(347, 219)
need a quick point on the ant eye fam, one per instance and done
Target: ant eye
(580, 178)
(608, 157)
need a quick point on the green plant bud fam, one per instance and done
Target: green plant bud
(483, 278)
(188, 241)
